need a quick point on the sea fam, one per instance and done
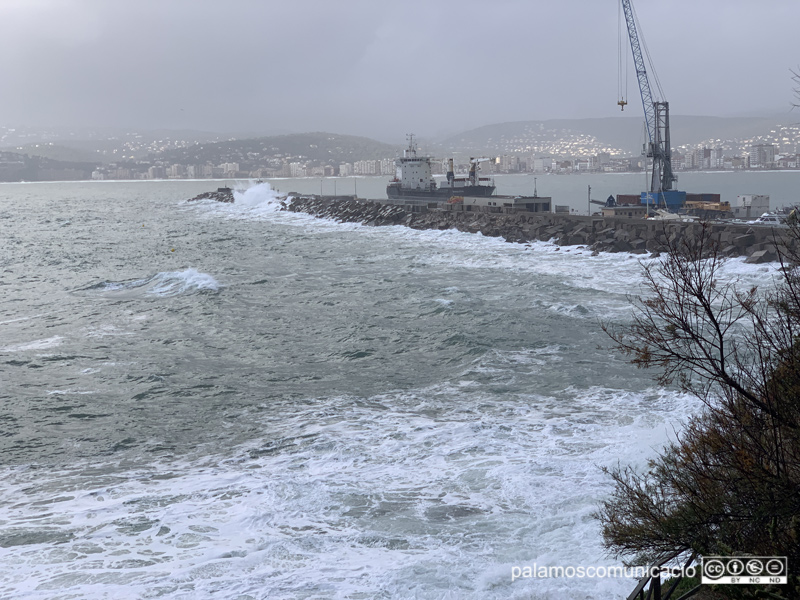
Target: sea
(206, 400)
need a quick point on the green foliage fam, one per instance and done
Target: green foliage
(730, 483)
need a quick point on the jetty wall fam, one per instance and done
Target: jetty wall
(601, 234)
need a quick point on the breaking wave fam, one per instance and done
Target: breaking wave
(164, 284)
(260, 197)
(251, 202)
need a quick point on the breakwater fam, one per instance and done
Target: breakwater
(601, 234)
(223, 194)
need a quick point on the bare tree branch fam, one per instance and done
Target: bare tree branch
(730, 483)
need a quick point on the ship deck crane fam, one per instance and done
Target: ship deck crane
(656, 113)
(473, 169)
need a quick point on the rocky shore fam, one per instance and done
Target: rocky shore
(221, 195)
(601, 234)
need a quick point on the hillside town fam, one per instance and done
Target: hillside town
(554, 151)
(775, 150)
(759, 157)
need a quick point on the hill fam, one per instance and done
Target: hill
(60, 152)
(21, 167)
(617, 135)
(325, 148)
(100, 145)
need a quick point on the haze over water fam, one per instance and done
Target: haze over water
(206, 400)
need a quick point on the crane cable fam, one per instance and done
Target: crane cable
(622, 63)
(651, 70)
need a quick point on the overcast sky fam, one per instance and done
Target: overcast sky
(379, 68)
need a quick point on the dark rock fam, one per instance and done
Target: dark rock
(221, 195)
(762, 256)
(621, 246)
(600, 235)
(653, 245)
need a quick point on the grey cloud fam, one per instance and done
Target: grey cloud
(376, 68)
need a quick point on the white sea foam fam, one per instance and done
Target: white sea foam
(19, 319)
(173, 283)
(164, 284)
(107, 330)
(576, 267)
(42, 344)
(251, 202)
(430, 491)
(615, 275)
(258, 198)
(407, 495)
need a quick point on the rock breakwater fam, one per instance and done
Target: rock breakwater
(221, 195)
(601, 234)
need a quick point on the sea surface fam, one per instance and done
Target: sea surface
(200, 400)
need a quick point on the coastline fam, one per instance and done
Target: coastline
(601, 234)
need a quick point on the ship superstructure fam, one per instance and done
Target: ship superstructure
(415, 184)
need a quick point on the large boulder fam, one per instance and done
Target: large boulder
(761, 256)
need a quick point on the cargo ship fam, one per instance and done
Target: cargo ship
(415, 184)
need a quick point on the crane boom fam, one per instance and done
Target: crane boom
(656, 114)
(641, 71)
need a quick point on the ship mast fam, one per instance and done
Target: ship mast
(411, 151)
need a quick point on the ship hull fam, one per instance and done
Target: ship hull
(440, 194)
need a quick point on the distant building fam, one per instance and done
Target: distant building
(504, 204)
(762, 156)
(508, 163)
(703, 158)
(627, 211)
(155, 172)
(366, 167)
(629, 199)
(229, 170)
(194, 172)
(176, 172)
(717, 158)
(750, 206)
(543, 165)
(388, 167)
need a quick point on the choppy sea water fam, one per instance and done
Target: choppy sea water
(205, 400)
